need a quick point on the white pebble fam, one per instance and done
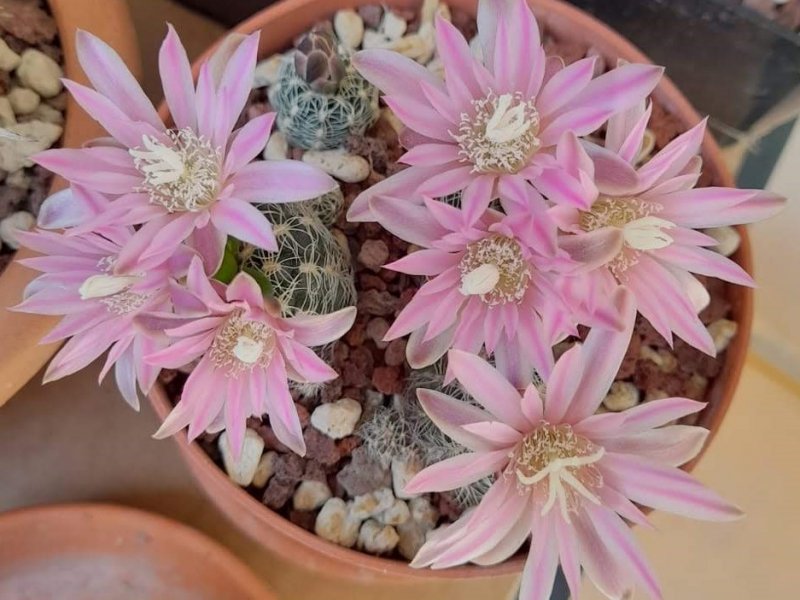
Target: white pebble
(664, 360)
(349, 27)
(243, 470)
(265, 469)
(393, 26)
(40, 73)
(372, 504)
(722, 332)
(23, 100)
(403, 469)
(38, 136)
(18, 221)
(728, 239)
(376, 538)
(277, 147)
(310, 495)
(7, 117)
(655, 394)
(418, 46)
(622, 396)
(9, 60)
(423, 512)
(339, 163)
(267, 71)
(48, 114)
(335, 523)
(373, 39)
(337, 419)
(397, 514)
(411, 538)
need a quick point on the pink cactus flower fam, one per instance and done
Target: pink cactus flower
(247, 356)
(100, 302)
(496, 119)
(641, 230)
(491, 285)
(196, 180)
(564, 476)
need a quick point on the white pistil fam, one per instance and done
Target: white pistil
(181, 172)
(507, 123)
(480, 280)
(101, 286)
(558, 477)
(158, 162)
(647, 233)
(247, 349)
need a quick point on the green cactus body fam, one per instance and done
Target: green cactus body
(316, 120)
(310, 272)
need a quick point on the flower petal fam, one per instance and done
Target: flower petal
(665, 488)
(177, 81)
(245, 222)
(280, 181)
(450, 415)
(488, 387)
(457, 472)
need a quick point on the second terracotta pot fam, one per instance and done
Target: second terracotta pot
(325, 570)
(21, 355)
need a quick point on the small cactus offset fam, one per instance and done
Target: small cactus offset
(403, 430)
(317, 60)
(310, 272)
(319, 96)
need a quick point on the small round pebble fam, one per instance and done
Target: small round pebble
(265, 469)
(40, 73)
(18, 221)
(242, 470)
(335, 524)
(349, 27)
(23, 100)
(722, 332)
(622, 396)
(376, 538)
(338, 163)
(337, 419)
(310, 495)
(728, 239)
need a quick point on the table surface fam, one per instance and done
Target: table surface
(75, 441)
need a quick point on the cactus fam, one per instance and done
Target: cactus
(310, 272)
(317, 60)
(402, 429)
(328, 206)
(320, 98)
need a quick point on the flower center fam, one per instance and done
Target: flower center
(560, 465)
(640, 228)
(501, 135)
(183, 176)
(495, 269)
(241, 344)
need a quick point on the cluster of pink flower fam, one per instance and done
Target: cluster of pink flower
(145, 225)
(550, 231)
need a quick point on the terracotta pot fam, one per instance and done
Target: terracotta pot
(80, 551)
(339, 573)
(21, 356)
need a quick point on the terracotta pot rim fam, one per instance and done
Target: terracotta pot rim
(113, 514)
(111, 20)
(556, 14)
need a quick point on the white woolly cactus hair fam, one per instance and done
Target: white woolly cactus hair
(403, 430)
(319, 121)
(310, 272)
